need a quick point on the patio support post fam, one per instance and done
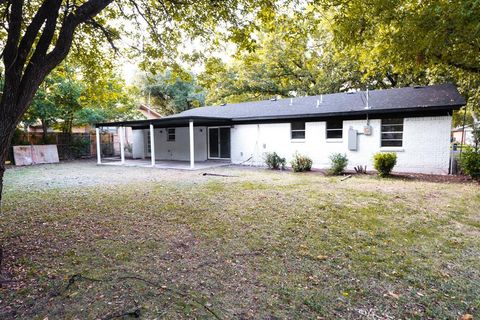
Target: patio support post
(192, 147)
(99, 154)
(121, 132)
(152, 145)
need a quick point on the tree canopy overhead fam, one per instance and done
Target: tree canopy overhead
(424, 41)
(282, 46)
(173, 91)
(330, 46)
(37, 35)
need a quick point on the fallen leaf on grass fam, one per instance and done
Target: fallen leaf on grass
(393, 295)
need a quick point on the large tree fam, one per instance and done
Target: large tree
(37, 36)
(173, 91)
(423, 41)
(294, 54)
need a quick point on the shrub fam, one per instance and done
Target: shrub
(339, 162)
(301, 163)
(470, 163)
(384, 162)
(274, 161)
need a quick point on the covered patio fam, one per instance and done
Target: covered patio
(167, 164)
(174, 142)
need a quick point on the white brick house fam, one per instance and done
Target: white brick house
(414, 122)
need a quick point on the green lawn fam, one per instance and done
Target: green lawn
(260, 245)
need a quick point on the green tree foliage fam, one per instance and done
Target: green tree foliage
(66, 100)
(65, 95)
(107, 98)
(421, 42)
(38, 35)
(294, 55)
(42, 110)
(173, 91)
(470, 162)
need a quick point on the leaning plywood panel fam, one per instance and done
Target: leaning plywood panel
(36, 154)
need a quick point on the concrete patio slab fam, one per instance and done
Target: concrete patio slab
(166, 164)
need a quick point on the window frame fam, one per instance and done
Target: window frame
(328, 130)
(393, 132)
(149, 143)
(292, 131)
(169, 134)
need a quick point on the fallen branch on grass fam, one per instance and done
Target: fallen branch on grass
(346, 177)
(79, 277)
(218, 175)
(135, 314)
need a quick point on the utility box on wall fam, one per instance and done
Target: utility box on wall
(352, 139)
(367, 130)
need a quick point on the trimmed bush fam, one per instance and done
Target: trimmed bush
(339, 162)
(301, 163)
(384, 162)
(470, 163)
(274, 161)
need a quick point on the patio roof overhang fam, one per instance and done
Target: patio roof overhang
(168, 122)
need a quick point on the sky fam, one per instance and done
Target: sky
(130, 68)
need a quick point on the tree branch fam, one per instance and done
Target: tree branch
(32, 31)
(82, 14)
(107, 33)
(42, 62)
(48, 32)
(459, 65)
(14, 29)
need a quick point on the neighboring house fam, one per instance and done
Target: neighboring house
(464, 137)
(414, 122)
(148, 112)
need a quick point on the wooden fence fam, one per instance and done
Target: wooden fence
(70, 146)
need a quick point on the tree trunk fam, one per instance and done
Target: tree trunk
(6, 134)
(44, 131)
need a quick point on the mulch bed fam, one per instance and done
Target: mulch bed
(411, 176)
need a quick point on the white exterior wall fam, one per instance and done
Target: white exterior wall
(426, 144)
(171, 150)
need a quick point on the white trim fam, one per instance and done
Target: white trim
(392, 149)
(152, 145)
(99, 152)
(334, 140)
(297, 140)
(192, 145)
(121, 132)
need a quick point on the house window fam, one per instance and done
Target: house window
(392, 132)
(334, 129)
(149, 142)
(298, 130)
(171, 134)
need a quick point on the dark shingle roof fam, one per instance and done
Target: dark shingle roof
(436, 97)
